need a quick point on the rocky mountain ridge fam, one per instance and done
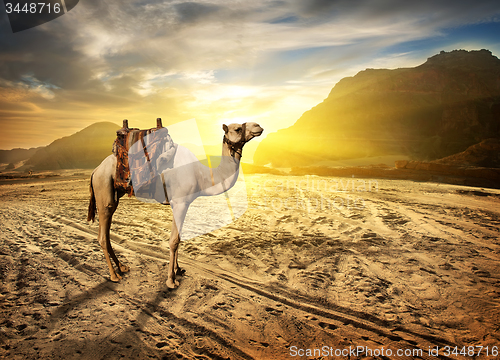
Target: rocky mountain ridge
(434, 110)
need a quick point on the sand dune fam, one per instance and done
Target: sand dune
(333, 262)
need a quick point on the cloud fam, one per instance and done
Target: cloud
(29, 85)
(193, 11)
(210, 59)
(316, 7)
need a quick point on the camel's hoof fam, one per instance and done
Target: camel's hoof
(180, 271)
(115, 277)
(172, 284)
(124, 268)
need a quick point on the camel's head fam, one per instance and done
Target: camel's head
(242, 133)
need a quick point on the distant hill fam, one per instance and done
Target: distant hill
(484, 154)
(437, 109)
(15, 155)
(82, 150)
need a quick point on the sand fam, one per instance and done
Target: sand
(315, 265)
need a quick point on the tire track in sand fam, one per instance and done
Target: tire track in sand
(153, 318)
(333, 317)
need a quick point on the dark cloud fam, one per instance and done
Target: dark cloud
(47, 55)
(57, 53)
(459, 10)
(193, 11)
(434, 12)
(315, 7)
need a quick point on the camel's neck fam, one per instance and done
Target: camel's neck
(226, 174)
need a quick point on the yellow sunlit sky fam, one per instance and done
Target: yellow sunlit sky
(213, 61)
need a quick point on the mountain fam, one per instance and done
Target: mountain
(16, 155)
(82, 150)
(485, 154)
(434, 110)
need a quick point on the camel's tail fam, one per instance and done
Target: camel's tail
(92, 204)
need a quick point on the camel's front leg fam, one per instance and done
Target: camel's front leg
(179, 211)
(174, 246)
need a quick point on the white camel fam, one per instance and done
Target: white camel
(184, 182)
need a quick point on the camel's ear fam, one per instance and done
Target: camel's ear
(224, 126)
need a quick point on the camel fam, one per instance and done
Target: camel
(186, 180)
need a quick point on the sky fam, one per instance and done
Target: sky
(217, 62)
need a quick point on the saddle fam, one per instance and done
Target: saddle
(138, 154)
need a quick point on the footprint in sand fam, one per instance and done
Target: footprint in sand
(481, 273)
(328, 326)
(296, 264)
(273, 311)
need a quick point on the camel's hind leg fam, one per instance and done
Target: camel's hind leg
(106, 203)
(105, 216)
(123, 268)
(105, 242)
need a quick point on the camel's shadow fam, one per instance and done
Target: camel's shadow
(122, 337)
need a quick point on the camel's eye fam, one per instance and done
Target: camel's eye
(238, 129)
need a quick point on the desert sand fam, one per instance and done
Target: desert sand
(314, 263)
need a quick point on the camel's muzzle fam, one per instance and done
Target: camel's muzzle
(257, 133)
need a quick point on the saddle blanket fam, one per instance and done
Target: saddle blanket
(138, 153)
